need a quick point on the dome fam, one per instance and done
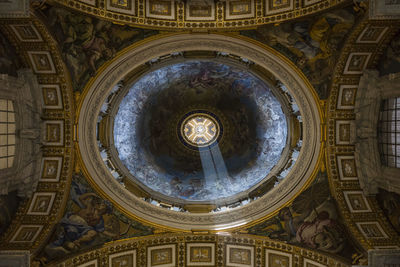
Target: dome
(71, 197)
(257, 118)
(199, 131)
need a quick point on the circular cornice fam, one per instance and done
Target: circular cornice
(299, 176)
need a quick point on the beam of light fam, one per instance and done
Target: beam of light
(210, 173)
(213, 164)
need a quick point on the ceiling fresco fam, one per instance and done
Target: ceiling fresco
(88, 221)
(94, 116)
(312, 44)
(312, 221)
(330, 223)
(87, 42)
(146, 139)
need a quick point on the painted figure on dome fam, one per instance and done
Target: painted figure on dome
(166, 94)
(322, 233)
(88, 221)
(312, 43)
(310, 221)
(83, 226)
(87, 42)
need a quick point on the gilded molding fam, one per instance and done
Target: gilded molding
(299, 177)
(258, 249)
(338, 182)
(30, 229)
(178, 16)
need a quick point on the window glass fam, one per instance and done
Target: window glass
(389, 132)
(7, 133)
(3, 104)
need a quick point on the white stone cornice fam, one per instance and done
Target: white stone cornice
(284, 71)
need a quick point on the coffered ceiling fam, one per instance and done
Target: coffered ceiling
(75, 49)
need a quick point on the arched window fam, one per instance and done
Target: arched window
(7, 133)
(389, 132)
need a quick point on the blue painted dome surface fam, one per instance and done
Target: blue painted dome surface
(208, 83)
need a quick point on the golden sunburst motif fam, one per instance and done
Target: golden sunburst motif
(199, 130)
